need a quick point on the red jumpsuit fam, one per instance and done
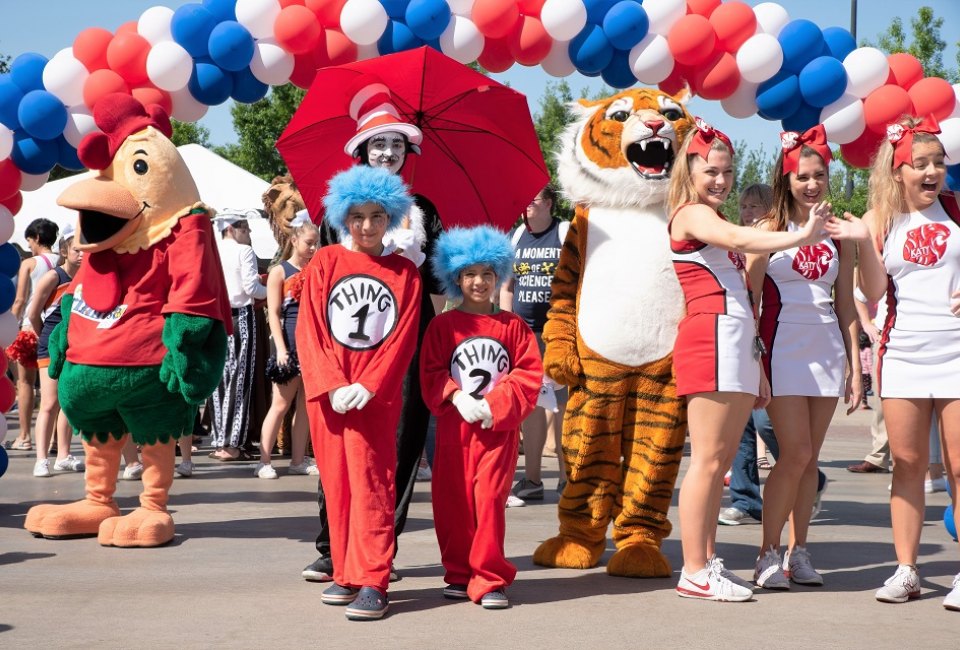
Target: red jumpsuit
(495, 357)
(357, 324)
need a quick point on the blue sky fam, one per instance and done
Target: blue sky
(46, 26)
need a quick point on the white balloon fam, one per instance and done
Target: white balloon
(154, 24)
(79, 124)
(258, 16)
(185, 107)
(843, 119)
(461, 7)
(365, 52)
(743, 102)
(33, 182)
(363, 21)
(271, 64)
(461, 40)
(650, 59)
(950, 138)
(558, 63)
(6, 142)
(771, 17)
(956, 106)
(6, 224)
(169, 66)
(64, 76)
(867, 69)
(663, 14)
(759, 58)
(9, 328)
(563, 19)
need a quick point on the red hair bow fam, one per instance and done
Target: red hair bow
(702, 140)
(793, 143)
(901, 137)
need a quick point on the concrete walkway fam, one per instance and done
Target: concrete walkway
(232, 578)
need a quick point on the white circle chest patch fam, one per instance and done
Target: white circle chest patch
(478, 364)
(361, 312)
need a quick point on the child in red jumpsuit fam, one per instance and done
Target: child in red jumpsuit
(481, 372)
(356, 335)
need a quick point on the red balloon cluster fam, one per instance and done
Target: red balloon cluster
(310, 30)
(512, 31)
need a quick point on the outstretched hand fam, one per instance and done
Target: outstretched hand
(849, 228)
(814, 230)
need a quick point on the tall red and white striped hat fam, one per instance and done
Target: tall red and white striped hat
(373, 109)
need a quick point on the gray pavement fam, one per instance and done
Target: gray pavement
(231, 579)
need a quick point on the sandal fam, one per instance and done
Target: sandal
(763, 464)
(19, 445)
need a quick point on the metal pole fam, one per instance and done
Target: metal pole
(853, 32)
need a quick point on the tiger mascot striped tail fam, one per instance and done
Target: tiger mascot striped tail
(614, 310)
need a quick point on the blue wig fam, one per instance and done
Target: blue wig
(362, 184)
(459, 248)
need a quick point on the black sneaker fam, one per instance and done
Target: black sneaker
(321, 570)
(528, 490)
(455, 592)
(370, 604)
(338, 595)
(495, 600)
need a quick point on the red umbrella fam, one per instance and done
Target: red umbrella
(481, 160)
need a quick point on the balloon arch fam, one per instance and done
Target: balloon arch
(753, 60)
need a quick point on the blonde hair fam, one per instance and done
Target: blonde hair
(682, 190)
(885, 193)
(762, 192)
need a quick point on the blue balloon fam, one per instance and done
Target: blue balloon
(397, 37)
(626, 24)
(396, 9)
(231, 46)
(590, 51)
(839, 42)
(9, 260)
(221, 9)
(209, 84)
(4, 461)
(619, 73)
(949, 523)
(427, 18)
(597, 9)
(953, 177)
(27, 71)
(778, 96)
(191, 26)
(42, 115)
(67, 156)
(801, 41)
(10, 97)
(7, 294)
(822, 81)
(803, 118)
(247, 89)
(33, 156)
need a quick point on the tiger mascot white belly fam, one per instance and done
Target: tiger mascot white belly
(614, 311)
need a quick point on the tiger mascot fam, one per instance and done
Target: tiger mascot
(609, 336)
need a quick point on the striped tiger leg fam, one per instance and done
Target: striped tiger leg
(653, 439)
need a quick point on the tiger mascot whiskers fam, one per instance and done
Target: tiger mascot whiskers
(614, 310)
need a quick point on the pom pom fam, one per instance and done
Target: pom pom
(23, 350)
(282, 374)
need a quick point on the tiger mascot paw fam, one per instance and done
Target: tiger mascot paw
(565, 369)
(568, 553)
(639, 561)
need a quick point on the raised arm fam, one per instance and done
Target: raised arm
(866, 234)
(698, 221)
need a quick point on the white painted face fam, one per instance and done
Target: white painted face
(387, 150)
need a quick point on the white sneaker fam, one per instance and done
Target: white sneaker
(818, 501)
(935, 485)
(424, 473)
(952, 601)
(797, 567)
(42, 468)
(717, 565)
(708, 584)
(185, 469)
(769, 571)
(901, 586)
(515, 502)
(132, 472)
(735, 517)
(265, 471)
(306, 468)
(69, 464)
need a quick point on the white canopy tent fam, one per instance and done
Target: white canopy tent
(222, 185)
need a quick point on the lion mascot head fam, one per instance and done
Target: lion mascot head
(620, 150)
(281, 202)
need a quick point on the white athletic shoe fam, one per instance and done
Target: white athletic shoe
(901, 586)
(716, 564)
(69, 464)
(132, 472)
(515, 502)
(797, 567)
(264, 470)
(708, 584)
(42, 468)
(769, 571)
(952, 601)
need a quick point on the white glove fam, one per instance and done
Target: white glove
(339, 397)
(469, 407)
(404, 241)
(547, 399)
(487, 419)
(363, 397)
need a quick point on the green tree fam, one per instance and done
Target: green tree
(258, 126)
(922, 41)
(190, 133)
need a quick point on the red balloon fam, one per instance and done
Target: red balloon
(677, 80)
(692, 40)
(100, 83)
(147, 95)
(297, 29)
(718, 79)
(129, 27)
(304, 70)
(905, 70)
(10, 178)
(8, 394)
(933, 95)
(14, 203)
(703, 8)
(495, 18)
(861, 151)
(530, 7)
(496, 55)
(127, 56)
(529, 42)
(884, 106)
(90, 48)
(334, 49)
(4, 363)
(289, 3)
(327, 11)
(734, 23)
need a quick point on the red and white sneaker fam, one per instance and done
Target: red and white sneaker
(709, 584)
(902, 586)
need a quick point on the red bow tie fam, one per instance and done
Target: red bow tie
(901, 137)
(703, 139)
(793, 143)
